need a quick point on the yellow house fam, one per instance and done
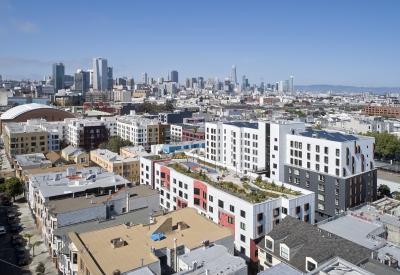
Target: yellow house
(75, 155)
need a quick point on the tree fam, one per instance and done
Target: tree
(385, 144)
(194, 130)
(14, 187)
(29, 236)
(103, 145)
(115, 143)
(384, 190)
(259, 179)
(40, 269)
(35, 244)
(317, 127)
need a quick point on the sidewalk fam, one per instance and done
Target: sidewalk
(29, 226)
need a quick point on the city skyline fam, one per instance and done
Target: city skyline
(319, 43)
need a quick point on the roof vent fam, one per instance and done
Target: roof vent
(116, 272)
(117, 242)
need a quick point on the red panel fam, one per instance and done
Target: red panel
(203, 189)
(223, 220)
(167, 178)
(253, 248)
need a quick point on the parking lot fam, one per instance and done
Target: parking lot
(8, 258)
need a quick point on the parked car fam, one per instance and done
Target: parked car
(11, 218)
(9, 211)
(14, 227)
(2, 230)
(20, 250)
(6, 203)
(21, 260)
(244, 178)
(16, 240)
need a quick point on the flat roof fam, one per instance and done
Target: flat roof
(281, 269)
(252, 125)
(332, 136)
(226, 263)
(32, 159)
(138, 242)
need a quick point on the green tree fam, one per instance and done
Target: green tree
(13, 187)
(317, 127)
(35, 244)
(40, 269)
(258, 179)
(28, 236)
(384, 190)
(194, 130)
(115, 143)
(385, 144)
(103, 145)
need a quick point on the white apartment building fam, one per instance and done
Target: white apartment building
(249, 220)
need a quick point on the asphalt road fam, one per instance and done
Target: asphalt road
(8, 261)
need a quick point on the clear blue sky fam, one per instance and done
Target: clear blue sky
(352, 43)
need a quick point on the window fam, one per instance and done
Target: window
(242, 238)
(123, 209)
(316, 157)
(297, 209)
(317, 148)
(242, 250)
(307, 175)
(242, 226)
(196, 201)
(275, 148)
(326, 160)
(310, 266)
(285, 253)
(317, 167)
(290, 170)
(275, 165)
(321, 187)
(306, 206)
(232, 208)
(210, 209)
(242, 214)
(268, 244)
(180, 183)
(321, 207)
(321, 197)
(204, 205)
(260, 216)
(196, 191)
(326, 150)
(284, 210)
(296, 172)
(276, 212)
(321, 178)
(336, 201)
(260, 229)
(220, 204)
(268, 258)
(210, 198)
(186, 186)
(231, 220)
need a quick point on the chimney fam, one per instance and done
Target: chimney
(142, 261)
(206, 244)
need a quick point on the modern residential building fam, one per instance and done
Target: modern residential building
(339, 168)
(127, 167)
(89, 133)
(221, 198)
(58, 76)
(142, 131)
(305, 247)
(389, 111)
(75, 155)
(100, 79)
(374, 124)
(155, 245)
(22, 138)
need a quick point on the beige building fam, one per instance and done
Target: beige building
(140, 93)
(20, 138)
(75, 155)
(127, 167)
(128, 247)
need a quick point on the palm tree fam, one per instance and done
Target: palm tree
(194, 130)
(29, 236)
(33, 247)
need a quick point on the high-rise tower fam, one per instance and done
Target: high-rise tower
(291, 87)
(58, 76)
(233, 77)
(82, 81)
(100, 79)
(144, 78)
(174, 76)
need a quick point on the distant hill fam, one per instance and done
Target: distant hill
(348, 89)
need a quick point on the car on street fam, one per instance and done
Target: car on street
(21, 260)
(16, 240)
(6, 203)
(2, 230)
(14, 227)
(11, 218)
(9, 211)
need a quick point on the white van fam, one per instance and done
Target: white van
(2, 230)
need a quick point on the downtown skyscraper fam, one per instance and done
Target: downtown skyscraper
(174, 76)
(233, 76)
(291, 86)
(100, 79)
(58, 76)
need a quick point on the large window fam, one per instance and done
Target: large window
(220, 204)
(242, 226)
(196, 191)
(243, 214)
(285, 253)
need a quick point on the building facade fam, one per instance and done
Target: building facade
(100, 79)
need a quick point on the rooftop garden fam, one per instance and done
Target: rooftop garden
(229, 187)
(273, 187)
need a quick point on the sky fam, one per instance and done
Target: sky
(354, 43)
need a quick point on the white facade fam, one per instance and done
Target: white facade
(335, 158)
(134, 128)
(250, 221)
(176, 132)
(123, 96)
